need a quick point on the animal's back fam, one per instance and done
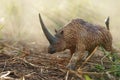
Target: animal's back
(86, 33)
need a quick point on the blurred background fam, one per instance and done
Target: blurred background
(19, 18)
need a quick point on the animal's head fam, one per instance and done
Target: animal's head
(57, 42)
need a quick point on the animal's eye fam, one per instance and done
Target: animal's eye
(62, 32)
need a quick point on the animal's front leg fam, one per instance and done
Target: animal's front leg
(77, 56)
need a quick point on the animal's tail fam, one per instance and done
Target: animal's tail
(107, 22)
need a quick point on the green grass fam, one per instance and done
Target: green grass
(114, 67)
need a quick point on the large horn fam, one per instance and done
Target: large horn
(48, 35)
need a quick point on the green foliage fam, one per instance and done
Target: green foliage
(115, 70)
(99, 67)
(114, 65)
(87, 77)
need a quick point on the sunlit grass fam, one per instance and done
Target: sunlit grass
(21, 16)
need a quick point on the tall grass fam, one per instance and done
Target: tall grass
(22, 23)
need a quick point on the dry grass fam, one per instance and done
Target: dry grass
(21, 17)
(29, 62)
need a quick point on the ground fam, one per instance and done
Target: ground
(21, 61)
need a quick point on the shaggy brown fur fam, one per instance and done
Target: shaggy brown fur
(80, 36)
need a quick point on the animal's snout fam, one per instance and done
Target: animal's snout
(51, 51)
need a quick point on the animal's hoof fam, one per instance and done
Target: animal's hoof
(70, 67)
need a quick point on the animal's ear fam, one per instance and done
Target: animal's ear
(62, 32)
(55, 30)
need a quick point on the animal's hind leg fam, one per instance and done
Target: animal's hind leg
(77, 56)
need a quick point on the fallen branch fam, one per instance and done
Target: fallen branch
(88, 57)
(81, 73)
(33, 65)
(25, 61)
(110, 76)
(70, 71)
(77, 74)
(67, 75)
(91, 73)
